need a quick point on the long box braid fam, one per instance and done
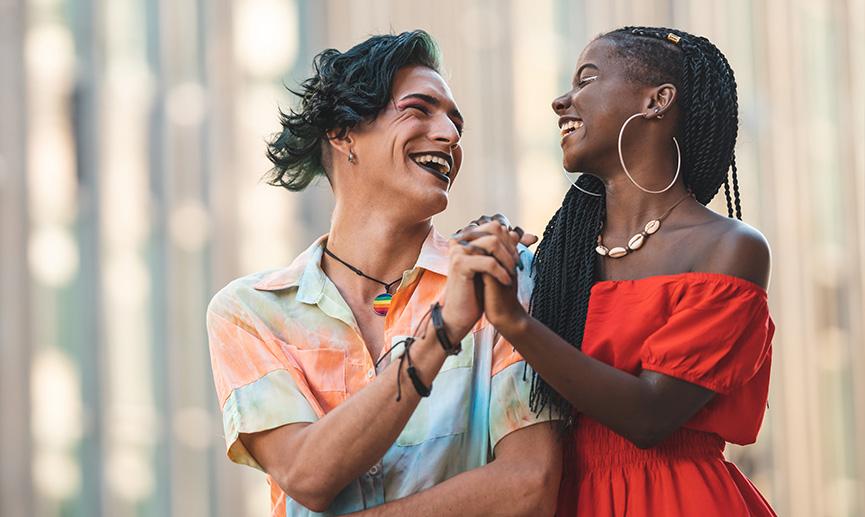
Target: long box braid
(565, 261)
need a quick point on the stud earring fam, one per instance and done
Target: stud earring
(351, 157)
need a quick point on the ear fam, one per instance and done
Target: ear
(660, 100)
(341, 142)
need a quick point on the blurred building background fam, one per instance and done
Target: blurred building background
(131, 151)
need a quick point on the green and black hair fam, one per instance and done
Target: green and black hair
(346, 88)
(708, 124)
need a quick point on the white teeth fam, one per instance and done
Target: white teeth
(570, 125)
(427, 159)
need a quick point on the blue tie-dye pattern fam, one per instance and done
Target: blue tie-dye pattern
(453, 431)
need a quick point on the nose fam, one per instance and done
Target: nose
(561, 103)
(445, 131)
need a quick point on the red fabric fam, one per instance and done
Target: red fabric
(708, 329)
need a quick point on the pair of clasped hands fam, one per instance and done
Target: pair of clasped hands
(482, 276)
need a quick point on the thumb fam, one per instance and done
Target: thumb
(526, 239)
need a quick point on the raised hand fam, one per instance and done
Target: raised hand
(486, 249)
(526, 239)
(502, 306)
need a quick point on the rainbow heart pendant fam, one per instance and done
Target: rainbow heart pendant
(381, 304)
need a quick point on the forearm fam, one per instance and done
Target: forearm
(492, 489)
(522, 480)
(627, 404)
(342, 445)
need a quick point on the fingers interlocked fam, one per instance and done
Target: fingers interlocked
(526, 239)
(488, 248)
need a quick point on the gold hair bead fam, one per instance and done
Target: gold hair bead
(673, 38)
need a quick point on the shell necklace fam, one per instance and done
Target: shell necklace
(636, 242)
(381, 303)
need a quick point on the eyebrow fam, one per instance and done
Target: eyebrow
(429, 99)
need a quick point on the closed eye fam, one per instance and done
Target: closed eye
(425, 111)
(587, 80)
(419, 108)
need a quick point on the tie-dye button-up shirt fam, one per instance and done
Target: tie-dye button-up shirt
(285, 348)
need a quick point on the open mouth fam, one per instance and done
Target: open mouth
(569, 126)
(436, 163)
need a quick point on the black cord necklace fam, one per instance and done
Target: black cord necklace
(381, 303)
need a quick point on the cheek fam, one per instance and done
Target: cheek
(458, 159)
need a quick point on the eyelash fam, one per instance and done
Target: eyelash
(425, 111)
(586, 80)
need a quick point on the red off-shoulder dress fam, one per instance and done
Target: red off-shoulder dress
(709, 329)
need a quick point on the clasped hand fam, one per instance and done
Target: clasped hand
(482, 276)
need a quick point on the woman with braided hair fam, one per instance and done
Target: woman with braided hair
(648, 326)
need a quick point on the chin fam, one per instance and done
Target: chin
(436, 203)
(571, 163)
(432, 195)
(579, 161)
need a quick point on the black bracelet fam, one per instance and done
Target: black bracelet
(442, 335)
(419, 386)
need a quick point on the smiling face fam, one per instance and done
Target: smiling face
(592, 112)
(410, 154)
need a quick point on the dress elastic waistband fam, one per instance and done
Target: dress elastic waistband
(596, 446)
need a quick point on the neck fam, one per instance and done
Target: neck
(629, 208)
(377, 243)
(652, 162)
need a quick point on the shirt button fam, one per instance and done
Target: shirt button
(370, 373)
(374, 470)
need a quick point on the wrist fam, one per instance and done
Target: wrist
(456, 331)
(514, 326)
(450, 346)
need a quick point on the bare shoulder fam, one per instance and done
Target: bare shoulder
(739, 250)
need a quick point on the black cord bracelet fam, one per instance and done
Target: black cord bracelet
(418, 384)
(442, 335)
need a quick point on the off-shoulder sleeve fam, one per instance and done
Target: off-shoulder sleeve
(718, 335)
(258, 386)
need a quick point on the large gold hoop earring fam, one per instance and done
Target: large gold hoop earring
(624, 168)
(574, 183)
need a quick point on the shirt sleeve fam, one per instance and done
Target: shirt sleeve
(509, 401)
(511, 377)
(718, 337)
(258, 386)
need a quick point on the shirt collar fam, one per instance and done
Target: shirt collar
(434, 253)
(305, 271)
(307, 263)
